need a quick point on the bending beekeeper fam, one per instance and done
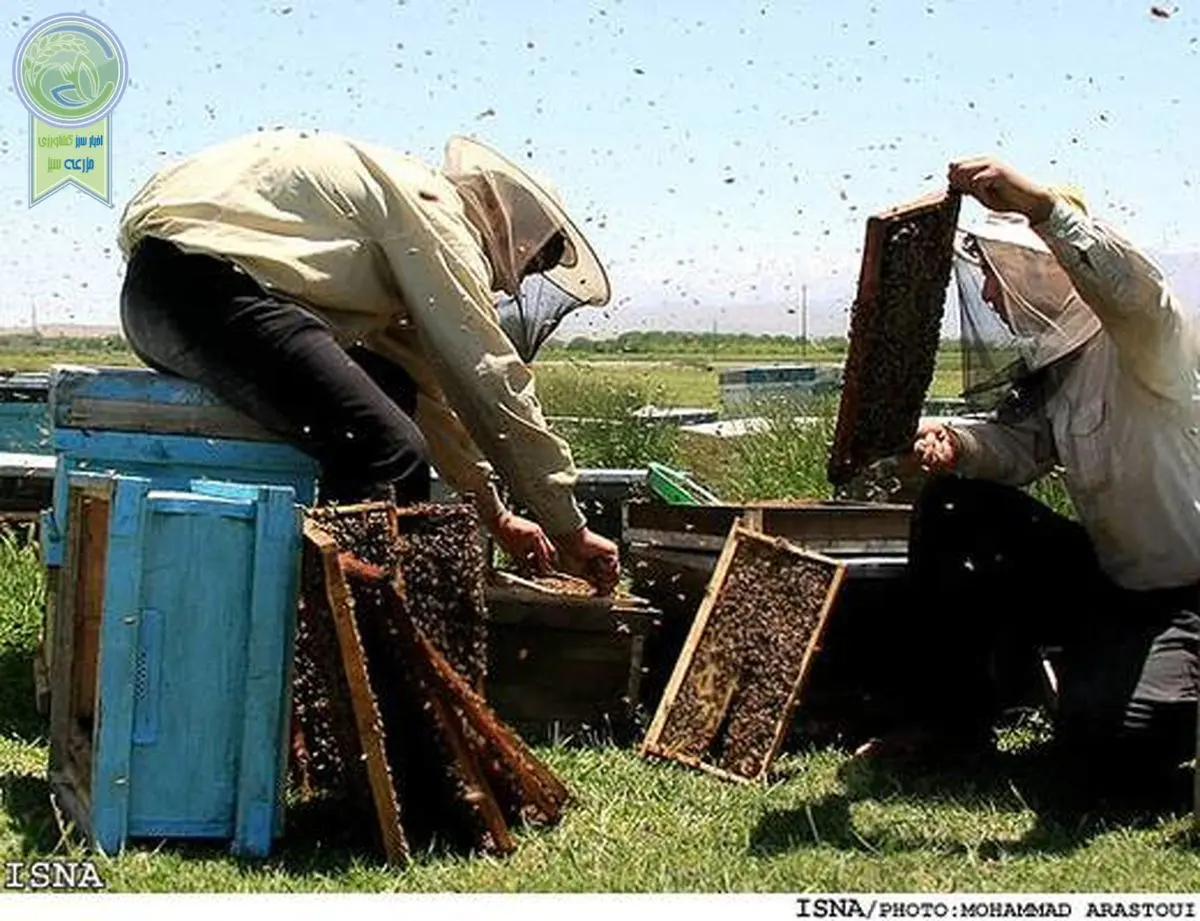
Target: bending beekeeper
(377, 313)
(1093, 367)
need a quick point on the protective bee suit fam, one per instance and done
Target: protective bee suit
(257, 265)
(1109, 361)
(1091, 365)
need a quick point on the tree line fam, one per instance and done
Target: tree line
(685, 342)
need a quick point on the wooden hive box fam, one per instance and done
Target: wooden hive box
(895, 328)
(137, 422)
(170, 677)
(562, 661)
(24, 425)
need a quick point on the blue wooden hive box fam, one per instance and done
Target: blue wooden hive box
(24, 424)
(171, 665)
(137, 422)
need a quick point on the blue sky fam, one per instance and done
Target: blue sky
(641, 113)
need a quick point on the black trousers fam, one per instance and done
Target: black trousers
(203, 319)
(996, 576)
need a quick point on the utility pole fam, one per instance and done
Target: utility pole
(33, 316)
(804, 320)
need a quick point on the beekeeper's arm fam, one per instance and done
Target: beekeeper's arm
(1125, 290)
(453, 452)
(485, 382)
(1014, 454)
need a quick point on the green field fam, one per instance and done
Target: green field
(826, 823)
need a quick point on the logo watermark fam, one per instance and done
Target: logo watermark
(71, 875)
(70, 72)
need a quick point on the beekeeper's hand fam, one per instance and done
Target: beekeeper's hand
(935, 448)
(999, 187)
(585, 553)
(525, 542)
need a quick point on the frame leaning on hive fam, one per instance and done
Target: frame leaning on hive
(729, 704)
(397, 704)
(895, 328)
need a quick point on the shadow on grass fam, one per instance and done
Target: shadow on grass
(322, 838)
(1068, 814)
(27, 802)
(18, 714)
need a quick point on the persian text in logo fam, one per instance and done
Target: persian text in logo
(70, 72)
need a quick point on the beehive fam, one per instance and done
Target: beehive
(137, 422)
(169, 704)
(895, 328)
(729, 703)
(564, 662)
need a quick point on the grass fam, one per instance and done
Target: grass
(826, 824)
(664, 383)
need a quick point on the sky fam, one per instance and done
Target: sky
(719, 154)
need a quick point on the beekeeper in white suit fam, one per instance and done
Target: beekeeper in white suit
(345, 295)
(1095, 370)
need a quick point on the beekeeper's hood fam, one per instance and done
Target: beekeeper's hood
(540, 259)
(1038, 317)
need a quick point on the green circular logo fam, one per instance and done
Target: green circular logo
(70, 70)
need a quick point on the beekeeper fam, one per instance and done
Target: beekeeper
(1093, 368)
(378, 314)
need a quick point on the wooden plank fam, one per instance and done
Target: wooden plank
(895, 329)
(651, 743)
(61, 637)
(92, 522)
(734, 690)
(539, 786)
(479, 795)
(70, 790)
(832, 526)
(215, 421)
(113, 736)
(367, 717)
(273, 603)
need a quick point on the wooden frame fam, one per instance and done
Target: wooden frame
(875, 360)
(826, 527)
(367, 718)
(653, 743)
(72, 634)
(493, 776)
